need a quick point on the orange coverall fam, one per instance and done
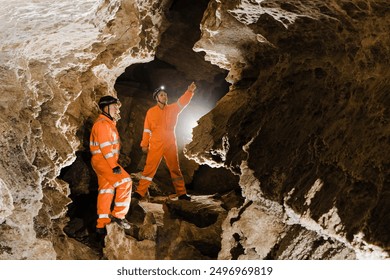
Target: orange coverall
(159, 136)
(104, 145)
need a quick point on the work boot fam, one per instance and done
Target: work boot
(101, 231)
(99, 238)
(185, 197)
(123, 223)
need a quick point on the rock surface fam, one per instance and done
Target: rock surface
(304, 126)
(57, 59)
(170, 229)
(306, 122)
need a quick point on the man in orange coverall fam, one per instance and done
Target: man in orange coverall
(159, 141)
(113, 180)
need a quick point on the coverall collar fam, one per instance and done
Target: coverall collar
(160, 106)
(104, 116)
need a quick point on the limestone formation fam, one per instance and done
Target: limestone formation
(292, 103)
(305, 123)
(57, 59)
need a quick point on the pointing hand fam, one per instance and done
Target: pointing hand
(192, 87)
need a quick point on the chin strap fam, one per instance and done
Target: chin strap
(158, 101)
(108, 115)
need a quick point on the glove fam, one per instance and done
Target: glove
(117, 170)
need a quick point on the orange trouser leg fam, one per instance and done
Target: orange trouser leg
(105, 195)
(122, 197)
(172, 161)
(110, 183)
(153, 160)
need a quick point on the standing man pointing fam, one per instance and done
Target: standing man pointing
(159, 140)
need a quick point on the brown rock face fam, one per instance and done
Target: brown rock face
(303, 129)
(170, 229)
(53, 69)
(307, 118)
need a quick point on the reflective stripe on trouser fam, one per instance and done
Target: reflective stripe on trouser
(122, 197)
(153, 160)
(110, 183)
(104, 199)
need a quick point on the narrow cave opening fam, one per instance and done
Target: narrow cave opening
(175, 66)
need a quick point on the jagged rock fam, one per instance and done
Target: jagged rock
(172, 230)
(71, 249)
(53, 70)
(304, 124)
(119, 246)
(232, 199)
(192, 230)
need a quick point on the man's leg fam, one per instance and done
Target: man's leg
(172, 161)
(104, 199)
(122, 195)
(153, 160)
(120, 184)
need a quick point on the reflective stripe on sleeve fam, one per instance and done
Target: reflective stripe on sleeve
(92, 143)
(107, 191)
(104, 216)
(108, 143)
(125, 204)
(147, 131)
(108, 155)
(105, 144)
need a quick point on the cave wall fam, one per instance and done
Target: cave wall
(57, 60)
(305, 124)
